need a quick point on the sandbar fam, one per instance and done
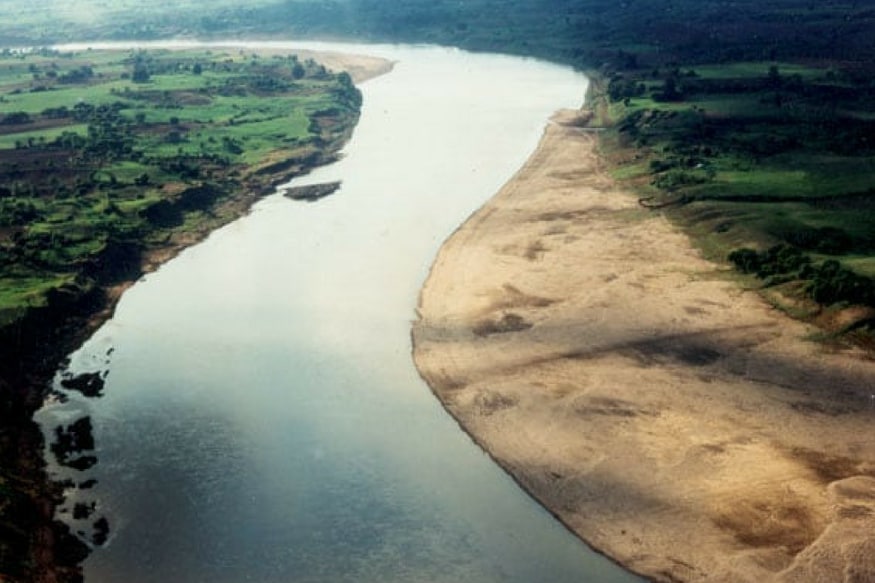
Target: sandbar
(674, 421)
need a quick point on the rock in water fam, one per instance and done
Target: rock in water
(312, 192)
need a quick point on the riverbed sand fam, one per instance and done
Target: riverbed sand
(360, 67)
(674, 421)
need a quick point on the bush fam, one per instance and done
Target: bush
(676, 178)
(828, 283)
(831, 283)
(657, 165)
(777, 260)
(745, 260)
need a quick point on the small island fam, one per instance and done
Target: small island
(312, 192)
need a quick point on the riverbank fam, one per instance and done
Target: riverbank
(37, 548)
(673, 421)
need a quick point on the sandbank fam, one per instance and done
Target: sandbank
(359, 67)
(672, 420)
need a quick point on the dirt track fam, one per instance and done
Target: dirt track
(673, 421)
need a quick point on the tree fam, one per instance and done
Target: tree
(16, 118)
(620, 89)
(774, 76)
(141, 73)
(670, 89)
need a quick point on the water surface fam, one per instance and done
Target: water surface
(262, 419)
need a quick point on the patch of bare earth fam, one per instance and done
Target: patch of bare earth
(673, 421)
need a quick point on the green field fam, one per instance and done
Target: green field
(109, 151)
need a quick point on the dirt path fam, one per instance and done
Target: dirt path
(673, 421)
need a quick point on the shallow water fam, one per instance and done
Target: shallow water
(262, 419)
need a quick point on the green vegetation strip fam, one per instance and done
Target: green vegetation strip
(104, 154)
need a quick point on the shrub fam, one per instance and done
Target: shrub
(745, 260)
(828, 283)
(831, 283)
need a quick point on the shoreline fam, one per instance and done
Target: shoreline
(53, 554)
(673, 421)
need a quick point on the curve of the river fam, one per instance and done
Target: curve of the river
(262, 419)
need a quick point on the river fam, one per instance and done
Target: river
(262, 419)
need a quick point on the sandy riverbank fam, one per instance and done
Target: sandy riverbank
(673, 421)
(359, 67)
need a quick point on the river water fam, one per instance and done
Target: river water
(262, 419)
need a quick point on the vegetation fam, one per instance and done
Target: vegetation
(104, 156)
(828, 282)
(763, 163)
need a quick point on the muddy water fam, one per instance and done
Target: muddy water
(262, 419)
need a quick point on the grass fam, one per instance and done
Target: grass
(755, 69)
(772, 182)
(17, 294)
(36, 102)
(864, 265)
(10, 141)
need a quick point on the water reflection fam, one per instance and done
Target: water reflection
(71, 446)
